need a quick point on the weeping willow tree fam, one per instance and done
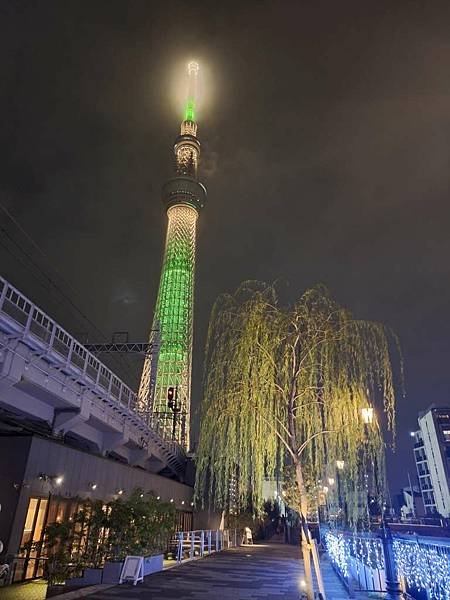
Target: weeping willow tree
(287, 386)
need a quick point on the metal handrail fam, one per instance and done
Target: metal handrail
(202, 542)
(45, 337)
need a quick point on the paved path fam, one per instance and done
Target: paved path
(261, 572)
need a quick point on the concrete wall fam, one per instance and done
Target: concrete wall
(25, 458)
(13, 459)
(207, 519)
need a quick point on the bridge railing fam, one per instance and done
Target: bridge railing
(419, 563)
(188, 545)
(51, 341)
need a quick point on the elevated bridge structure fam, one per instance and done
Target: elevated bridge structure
(50, 380)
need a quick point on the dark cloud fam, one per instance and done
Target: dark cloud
(326, 157)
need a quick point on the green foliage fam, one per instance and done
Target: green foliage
(137, 525)
(59, 538)
(286, 386)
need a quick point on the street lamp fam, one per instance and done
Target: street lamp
(367, 415)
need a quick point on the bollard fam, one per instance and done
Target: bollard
(393, 589)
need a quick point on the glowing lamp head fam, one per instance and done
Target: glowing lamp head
(59, 479)
(367, 415)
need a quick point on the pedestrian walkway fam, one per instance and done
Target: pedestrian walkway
(270, 571)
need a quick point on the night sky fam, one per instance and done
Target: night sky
(325, 132)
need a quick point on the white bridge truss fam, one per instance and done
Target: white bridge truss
(47, 376)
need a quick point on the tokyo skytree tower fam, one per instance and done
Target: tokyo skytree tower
(169, 371)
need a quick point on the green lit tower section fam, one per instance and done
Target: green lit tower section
(184, 197)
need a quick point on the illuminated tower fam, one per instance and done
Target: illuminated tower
(183, 196)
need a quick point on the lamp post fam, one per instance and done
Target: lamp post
(393, 589)
(340, 464)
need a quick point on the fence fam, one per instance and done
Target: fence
(420, 566)
(188, 545)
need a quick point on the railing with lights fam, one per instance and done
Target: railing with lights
(424, 564)
(421, 564)
(187, 545)
(26, 321)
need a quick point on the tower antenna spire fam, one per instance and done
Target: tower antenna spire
(190, 108)
(184, 197)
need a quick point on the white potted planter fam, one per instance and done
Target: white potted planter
(153, 564)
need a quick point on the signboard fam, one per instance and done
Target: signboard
(132, 570)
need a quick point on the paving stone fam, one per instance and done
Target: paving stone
(271, 571)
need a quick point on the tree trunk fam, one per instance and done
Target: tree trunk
(305, 535)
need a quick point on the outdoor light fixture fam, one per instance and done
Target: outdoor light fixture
(93, 486)
(171, 499)
(340, 464)
(141, 495)
(158, 497)
(367, 415)
(192, 504)
(412, 433)
(56, 479)
(182, 502)
(120, 492)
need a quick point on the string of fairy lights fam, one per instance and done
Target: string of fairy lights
(425, 567)
(420, 566)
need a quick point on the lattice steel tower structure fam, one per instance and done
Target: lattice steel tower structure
(184, 197)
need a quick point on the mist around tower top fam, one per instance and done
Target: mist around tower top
(178, 87)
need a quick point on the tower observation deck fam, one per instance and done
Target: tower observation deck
(184, 197)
